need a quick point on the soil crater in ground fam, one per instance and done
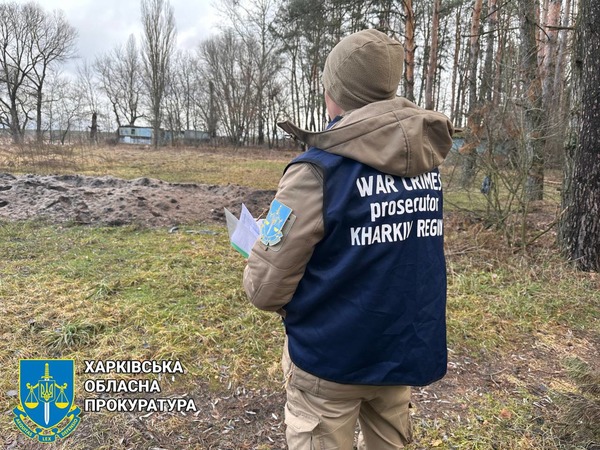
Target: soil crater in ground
(113, 201)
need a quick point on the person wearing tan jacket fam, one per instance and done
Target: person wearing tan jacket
(351, 256)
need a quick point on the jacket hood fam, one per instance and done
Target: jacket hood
(393, 136)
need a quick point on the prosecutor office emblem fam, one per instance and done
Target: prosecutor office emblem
(46, 394)
(271, 231)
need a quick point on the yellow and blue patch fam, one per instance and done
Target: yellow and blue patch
(271, 231)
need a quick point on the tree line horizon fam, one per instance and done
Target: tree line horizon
(462, 58)
(512, 74)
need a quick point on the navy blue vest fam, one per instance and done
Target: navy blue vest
(370, 308)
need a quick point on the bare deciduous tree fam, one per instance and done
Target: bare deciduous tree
(120, 76)
(15, 62)
(30, 41)
(53, 41)
(182, 88)
(158, 22)
(63, 107)
(251, 21)
(228, 63)
(87, 86)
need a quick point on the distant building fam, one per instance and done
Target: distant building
(143, 135)
(135, 135)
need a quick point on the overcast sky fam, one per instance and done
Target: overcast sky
(104, 24)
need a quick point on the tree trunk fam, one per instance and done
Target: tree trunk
(433, 52)
(469, 150)
(550, 100)
(409, 51)
(562, 50)
(501, 49)
(533, 132)
(94, 129)
(15, 126)
(580, 227)
(487, 78)
(212, 114)
(38, 127)
(457, 42)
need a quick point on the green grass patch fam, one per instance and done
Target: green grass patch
(495, 305)
(128, 293)
(163, 295)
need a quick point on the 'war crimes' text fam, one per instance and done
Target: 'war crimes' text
(399, 231)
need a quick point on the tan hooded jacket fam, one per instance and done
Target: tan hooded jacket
(394, 136)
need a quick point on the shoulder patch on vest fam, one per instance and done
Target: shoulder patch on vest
(271, 231)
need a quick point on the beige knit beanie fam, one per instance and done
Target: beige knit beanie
(363, 68)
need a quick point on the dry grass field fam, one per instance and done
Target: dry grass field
(523, 325)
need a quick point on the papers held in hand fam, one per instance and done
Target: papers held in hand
(243, 232)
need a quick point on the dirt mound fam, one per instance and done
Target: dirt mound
(113, 201)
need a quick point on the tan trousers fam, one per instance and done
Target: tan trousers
(322, 415)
